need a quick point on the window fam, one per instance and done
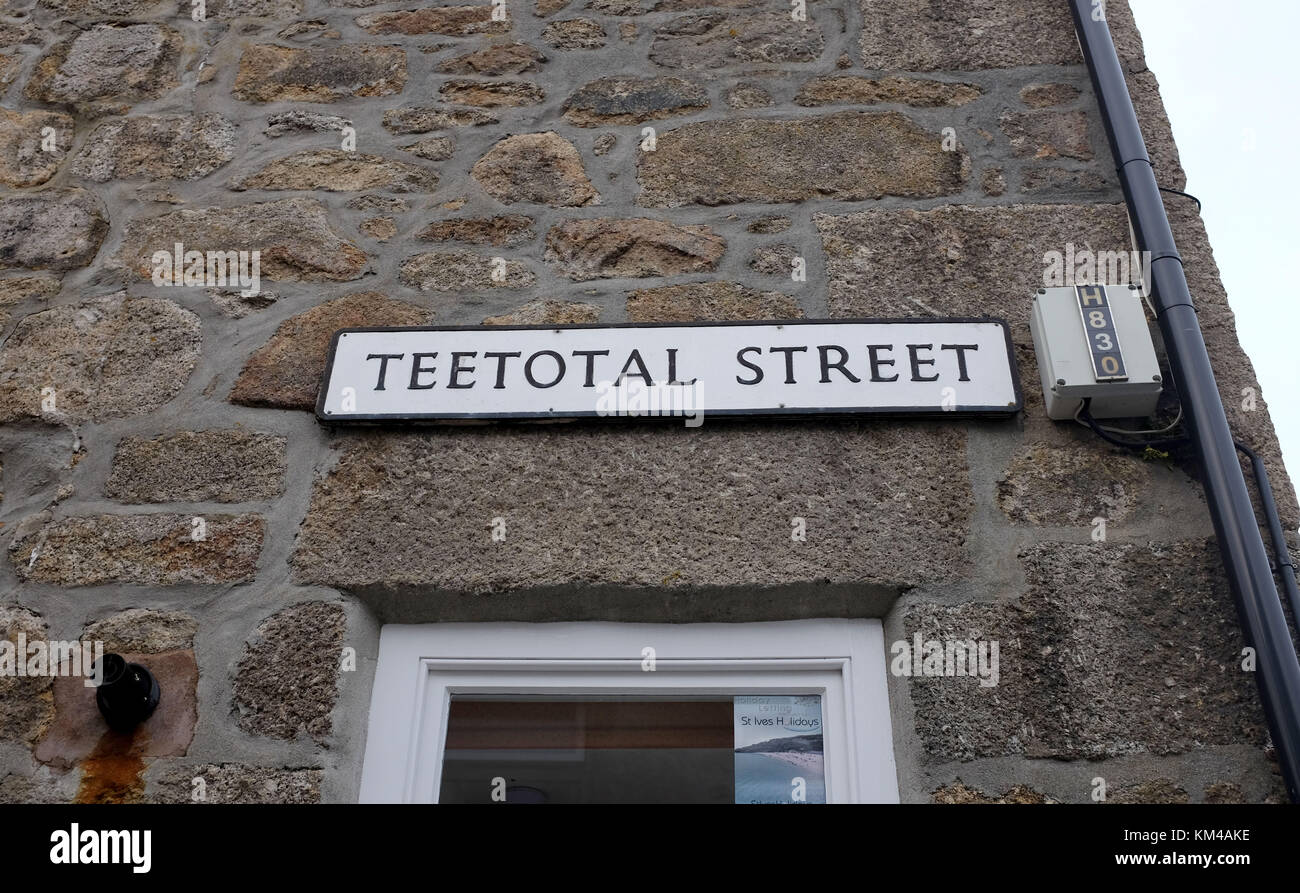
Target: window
(792, 711)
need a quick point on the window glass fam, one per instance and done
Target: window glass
(553, 749)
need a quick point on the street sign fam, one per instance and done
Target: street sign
(850, 367)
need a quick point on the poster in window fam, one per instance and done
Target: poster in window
(778, 743)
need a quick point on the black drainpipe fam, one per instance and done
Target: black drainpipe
(1242, 547)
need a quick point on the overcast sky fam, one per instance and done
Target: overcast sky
(1228, 74)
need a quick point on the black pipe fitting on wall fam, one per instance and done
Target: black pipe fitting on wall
(127, 694)
(1236, 529)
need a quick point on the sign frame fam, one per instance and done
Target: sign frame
(455, 419)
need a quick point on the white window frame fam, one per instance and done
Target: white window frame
(421, 666)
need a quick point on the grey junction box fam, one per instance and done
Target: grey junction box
(1093, 342)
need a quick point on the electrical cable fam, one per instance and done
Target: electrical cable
(1284, 566)
(1145, 289)
(1282, 558)
(1183, 194)
(1167, 428)
(1083, 417)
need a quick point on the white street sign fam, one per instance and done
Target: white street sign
(894, 367)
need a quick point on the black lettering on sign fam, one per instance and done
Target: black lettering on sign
(559, 368)
(417, 369)
(457, 369)
(876, 361)
(840, 364)
(757, 370)
(1099, 328)
(917, 362)
(634, 359)
(961, 357)
(789, 359)
(500, 357)
(591, 364)
(383, 359)
(672, 369)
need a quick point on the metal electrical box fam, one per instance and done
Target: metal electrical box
(1093, 341)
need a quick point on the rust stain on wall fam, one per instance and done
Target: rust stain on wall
(114, 771)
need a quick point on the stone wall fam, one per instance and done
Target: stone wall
(166, 489)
